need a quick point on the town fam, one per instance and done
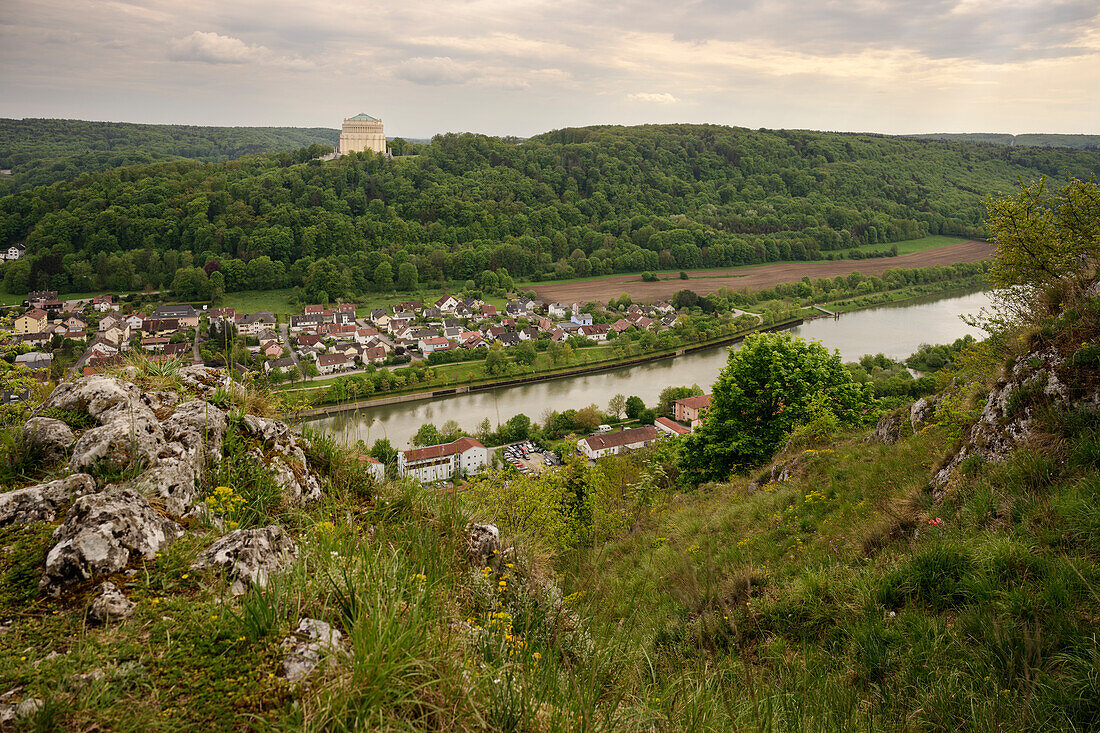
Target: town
(88, 336)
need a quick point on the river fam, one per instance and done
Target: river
(894, 330)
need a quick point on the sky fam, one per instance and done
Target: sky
(520, 67)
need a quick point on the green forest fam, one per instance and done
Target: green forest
(43, 151)
(1042, 140)
(568, 203)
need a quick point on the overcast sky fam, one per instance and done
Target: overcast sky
(526, 66)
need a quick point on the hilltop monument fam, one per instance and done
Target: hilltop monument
(362, 133)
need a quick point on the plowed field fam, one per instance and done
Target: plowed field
(755, 278)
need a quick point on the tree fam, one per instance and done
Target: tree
(525, 353)
(407, 276)
(383, 276)
(671, 394)
(383, 451)
(495, 361)
(1043, 237)
(428, 434)
(634, 407)
(616, 405)
(587, 418)
(450, 431)
(761, 394)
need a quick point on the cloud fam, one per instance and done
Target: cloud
(653, 98)
(435, 71)
(213, 48)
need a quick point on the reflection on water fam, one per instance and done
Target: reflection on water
(896, 331)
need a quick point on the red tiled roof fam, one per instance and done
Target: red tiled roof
(695, 403)
(601, 441)
(673, 426)
(436, 451)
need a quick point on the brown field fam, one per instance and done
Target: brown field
(754, 278)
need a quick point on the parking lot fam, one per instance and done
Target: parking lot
(528, 457)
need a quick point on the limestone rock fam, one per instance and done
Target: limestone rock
(160, 402)
(250, 555)
(482, 543)
(95, 395)
(170, 479)
(921, 412)
(110, 605)
(10, 711)
(101, 534)
(41, 502)
(313, 642)
(127, 433)
(198, 424)
(204, 380)
(892, 427)
(52, 437)
(301, 486)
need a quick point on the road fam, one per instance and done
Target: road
(284, 333)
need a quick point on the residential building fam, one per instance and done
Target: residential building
(253, 324)
(104, 303)
(35, 360)
(668, 427)
(285, 364)
(691, 410)
(462, 457)
(33, 321)
(375, 468)
(187, 316)
(608, 444)
(159, 326)
(329, 363)
(179, 349)
(433, 343)
(14, 252)
(581, 319)
(154, 343)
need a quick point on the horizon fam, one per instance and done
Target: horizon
(390, 135)
(896, 67)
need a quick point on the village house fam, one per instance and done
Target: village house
(33, 321)
(596, 332)
(668, 427)
(159, 326)
(14, 252)
(271, 349)
(187, 316)
(311, 309)
(306, 323)
(285, 365)
(374, 467)
(73, 323)
(380, 318)
(119, 333)
(35, 360)
(609, 444)
(134, 321)
(36, 298)
(691, 410)
(154, 343)
(111, 321)
(447, 304)
(462, 457)
(429, 344)
(329, 363)
(178, 349)
(253, 324)
(104, 303)
(374, 355)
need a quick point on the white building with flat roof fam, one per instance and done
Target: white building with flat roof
(362, 133)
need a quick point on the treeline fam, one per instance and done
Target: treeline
(1042, 140)
(43, 151)
(578, 202)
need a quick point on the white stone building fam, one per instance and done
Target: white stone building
(442, 462)
(362, 133)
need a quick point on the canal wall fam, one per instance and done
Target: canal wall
(532, 378)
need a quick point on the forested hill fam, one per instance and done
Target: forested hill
(568, 203)
(43, 151)
(1042, 140)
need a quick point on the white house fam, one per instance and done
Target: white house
(442, 462)
(329, 363)
(609, 444)
(375, 468)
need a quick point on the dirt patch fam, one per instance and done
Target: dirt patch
(755, 278)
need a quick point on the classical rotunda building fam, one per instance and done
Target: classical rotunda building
(362, 133)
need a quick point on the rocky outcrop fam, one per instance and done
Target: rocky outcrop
(95, 395)
(921, 412)
(52, 437)
(250, 556)
(204, 380)
(312, 643)
(1008, 420)
(482, 544)
(109, 606)
(300, 486)
(42, 502)
(101, 534)
(288, 463)
(892, 427)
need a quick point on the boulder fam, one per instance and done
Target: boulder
(482, 544)
(200, 425)
(41, 502)
(300, 486)
(250, 556)
(173, 480)
(95, 395)
(311, 643)
(126, 436)
(11, 712)
(204, 380)
(101, 534)
(52, 437)
(110, 605)
(160, 402)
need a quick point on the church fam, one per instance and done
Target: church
(362, 133)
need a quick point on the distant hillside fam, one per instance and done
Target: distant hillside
(44, 151)
(1030, 140)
